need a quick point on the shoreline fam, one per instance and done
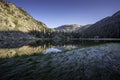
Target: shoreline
(89, 63)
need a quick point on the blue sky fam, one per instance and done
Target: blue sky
(55, 13)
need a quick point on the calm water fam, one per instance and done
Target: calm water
(11, 48)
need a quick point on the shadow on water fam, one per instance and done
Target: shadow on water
(12, 48)
(36, 43)
(17, 39)
(19, 43)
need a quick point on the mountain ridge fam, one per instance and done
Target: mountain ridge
(14, 18)
(68, 27)
(108, 27)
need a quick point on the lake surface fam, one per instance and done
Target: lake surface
(12, 48)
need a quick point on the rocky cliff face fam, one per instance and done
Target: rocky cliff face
(14, 18)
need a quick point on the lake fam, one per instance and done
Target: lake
(22, 47)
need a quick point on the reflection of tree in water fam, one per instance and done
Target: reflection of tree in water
(8, 49)
(24, 49)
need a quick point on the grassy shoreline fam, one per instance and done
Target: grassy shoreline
(90, 63)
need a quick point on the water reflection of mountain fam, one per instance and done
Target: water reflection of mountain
(12, 48)
(22, 50)
(13, 43)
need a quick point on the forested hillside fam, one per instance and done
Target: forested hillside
(108, 27)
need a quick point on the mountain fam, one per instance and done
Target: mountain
(82, 28)
(16, 23)
(14, 18)
(68, 28)
(108, 27)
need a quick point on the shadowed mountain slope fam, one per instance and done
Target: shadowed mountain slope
(108, 27)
